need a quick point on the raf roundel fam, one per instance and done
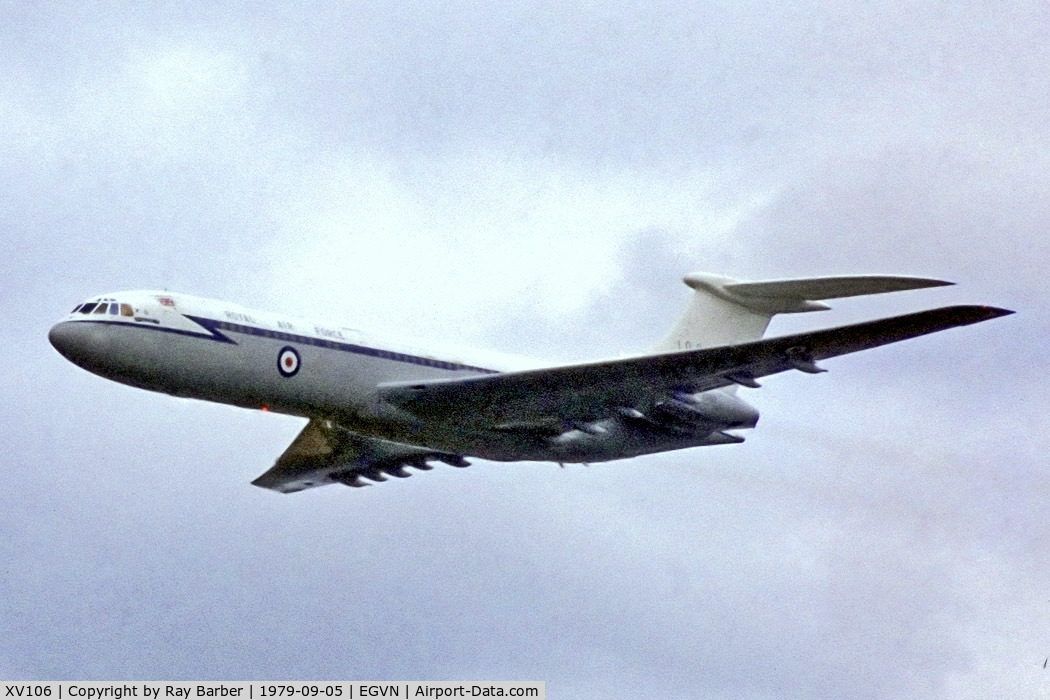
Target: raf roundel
(288, 362)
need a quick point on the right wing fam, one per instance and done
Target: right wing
(325, 453)
(596, 390)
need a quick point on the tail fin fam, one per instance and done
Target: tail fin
(725, 311)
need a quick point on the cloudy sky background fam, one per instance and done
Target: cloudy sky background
(534, 179)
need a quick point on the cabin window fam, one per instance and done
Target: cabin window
(126, 310)
(87, 308)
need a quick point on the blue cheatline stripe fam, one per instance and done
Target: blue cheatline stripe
(214, 328)
(176, 331)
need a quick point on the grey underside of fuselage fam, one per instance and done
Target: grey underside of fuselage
(339, 385)
(329, 383)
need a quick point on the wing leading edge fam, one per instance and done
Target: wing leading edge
(590, 391)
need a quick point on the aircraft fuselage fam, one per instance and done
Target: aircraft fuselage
(209, 350)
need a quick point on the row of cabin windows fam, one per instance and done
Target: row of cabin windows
(384, 354)
(114, 309)
(259, 331)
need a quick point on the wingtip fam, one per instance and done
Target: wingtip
(907, 282)
(996, 312)
(910, 283)
(977, 314)
(963, 315)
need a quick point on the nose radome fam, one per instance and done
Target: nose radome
(62, 338)
(78, 342)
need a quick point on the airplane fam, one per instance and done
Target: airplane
(377, 407)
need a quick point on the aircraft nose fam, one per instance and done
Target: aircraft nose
(74, 341)
(62, 338)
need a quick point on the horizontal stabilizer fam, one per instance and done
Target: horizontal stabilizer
(798, 295)
(830, 287)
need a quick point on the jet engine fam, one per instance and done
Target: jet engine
(708, 410)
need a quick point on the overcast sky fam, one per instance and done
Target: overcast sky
(535, 179)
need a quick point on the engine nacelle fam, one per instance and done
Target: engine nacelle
(715, 409)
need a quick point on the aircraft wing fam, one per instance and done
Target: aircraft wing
(592, 391)
(325, 453)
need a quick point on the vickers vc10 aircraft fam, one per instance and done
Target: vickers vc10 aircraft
(379, 406)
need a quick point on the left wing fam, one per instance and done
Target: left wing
(325, 453)
(592, 391)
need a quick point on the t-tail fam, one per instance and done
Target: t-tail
(725, 311)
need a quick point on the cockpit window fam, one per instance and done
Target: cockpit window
(125, 310)
(101, 308)
(113, 309)
(76, 309)
(87, 308)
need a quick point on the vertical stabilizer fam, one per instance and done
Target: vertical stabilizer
(725, 311)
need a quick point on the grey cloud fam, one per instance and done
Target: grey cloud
(878, 535)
